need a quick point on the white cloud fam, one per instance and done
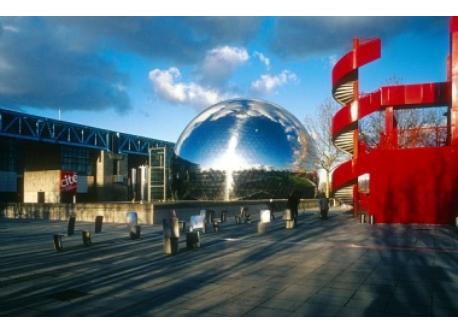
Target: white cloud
(332, 60)
(269, 82)
(10, 28)
(166, 85)
(219, 64)
(4, 65)
(262, 58)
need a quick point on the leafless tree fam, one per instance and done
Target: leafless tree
(421, 127)
(327, 155)
(418, 127)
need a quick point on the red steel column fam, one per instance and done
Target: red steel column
(391, 128)
(454, 81)
(356, 131)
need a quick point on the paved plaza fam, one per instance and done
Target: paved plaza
(322, 268)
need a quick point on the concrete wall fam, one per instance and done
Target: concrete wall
(147, 213)
(112, 212)
(185, 209)
(46, 181)
(106, 189)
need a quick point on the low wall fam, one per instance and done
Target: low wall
(185, 209)
(112, 212)
(115, 212)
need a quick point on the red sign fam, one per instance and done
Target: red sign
(68, 181)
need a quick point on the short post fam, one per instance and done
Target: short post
(71, 226)
(204, 213)
(264, 221)
(171, 230)
(371, 219)
(290, 222)
(98, 224)
(362, 218)
(456, 221)
(209, 219)
(137, 232)
(57, 240)
(132, 225)
(246, 216)
(216, 225)
(86, 235)
(193, 239)
(182, 225)
(167, 232)
(324, 207)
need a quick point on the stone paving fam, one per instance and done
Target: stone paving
(322, 268)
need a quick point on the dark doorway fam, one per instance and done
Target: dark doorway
(41, 197)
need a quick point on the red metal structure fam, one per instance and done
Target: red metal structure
(406, 185)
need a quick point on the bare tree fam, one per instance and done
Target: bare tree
(420, 127)
(417, 127)
(327, 155)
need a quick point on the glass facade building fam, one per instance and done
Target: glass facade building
(76, 159)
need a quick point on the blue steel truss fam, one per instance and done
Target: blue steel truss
(30, 127)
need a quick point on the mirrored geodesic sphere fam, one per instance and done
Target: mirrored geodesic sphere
(242, 149)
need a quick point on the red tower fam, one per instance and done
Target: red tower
(405, 184)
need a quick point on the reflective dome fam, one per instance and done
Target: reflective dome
(241, 149)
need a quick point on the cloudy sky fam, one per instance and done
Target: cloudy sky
(151, 76)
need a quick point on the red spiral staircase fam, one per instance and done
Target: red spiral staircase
(397, 189)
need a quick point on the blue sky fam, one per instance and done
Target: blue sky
(151, 76)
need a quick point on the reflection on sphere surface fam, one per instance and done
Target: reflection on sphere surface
(241, 149)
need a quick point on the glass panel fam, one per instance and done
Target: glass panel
(76, 159)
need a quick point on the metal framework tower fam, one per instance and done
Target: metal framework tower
(158, 172)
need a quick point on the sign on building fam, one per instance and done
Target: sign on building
(68, 181)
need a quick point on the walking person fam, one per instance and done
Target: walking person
(293, 204)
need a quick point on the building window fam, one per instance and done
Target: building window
(7, 156)
(76, 159)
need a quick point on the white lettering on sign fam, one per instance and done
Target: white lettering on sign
(69, 180)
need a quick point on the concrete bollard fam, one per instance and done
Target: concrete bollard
(290, 222)
(182, 225)
(371, 219)
(86, 235)
(263, 228)
(264, 221)
(193, 239)
(132, 217)
(167, 233)
(135, 232)
(362, 218)
(132, 225)
(170, 246)
(456, 221)
(215, 226)
(98, 224)
(57, 240)
(223, 216)
(71, 226)
(171, 231)
(209, 220)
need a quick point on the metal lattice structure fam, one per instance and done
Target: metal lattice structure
(24, 126)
